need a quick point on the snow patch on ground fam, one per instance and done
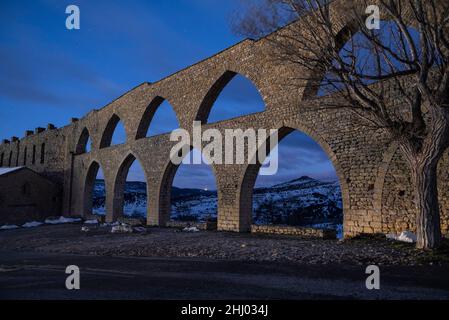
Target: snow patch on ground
(62, 220)
(32, 224)
(9, 227)
(191, 229)
(405, 236)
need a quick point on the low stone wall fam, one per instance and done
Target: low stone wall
(99, 218)
(294, 231)
(133, 221)
(209, 225)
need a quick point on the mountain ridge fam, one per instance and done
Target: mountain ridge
(303, 201)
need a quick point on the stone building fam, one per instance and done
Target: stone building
(27, 196)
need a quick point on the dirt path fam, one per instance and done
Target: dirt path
(164, 264)
(159, 242)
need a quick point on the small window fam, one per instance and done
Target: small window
(25, 157)
(26, 189)
(43, 153)
(1, 159)
(33, 160)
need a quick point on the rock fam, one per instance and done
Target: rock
(85, 229)
(122, 228)
(407, 236)
(191, 229)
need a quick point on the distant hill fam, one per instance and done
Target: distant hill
(304, 201)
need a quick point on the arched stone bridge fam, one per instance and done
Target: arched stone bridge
(374, 180)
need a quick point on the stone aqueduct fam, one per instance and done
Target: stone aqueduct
(374, 180)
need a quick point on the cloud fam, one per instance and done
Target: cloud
(26, 92)
(48, 79)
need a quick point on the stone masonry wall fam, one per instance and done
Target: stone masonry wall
(398, 212)
(294, 231)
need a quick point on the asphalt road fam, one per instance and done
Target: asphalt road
(36, 275)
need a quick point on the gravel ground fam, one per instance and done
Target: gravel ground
(161, 242)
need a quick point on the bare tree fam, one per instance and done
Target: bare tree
(410, 51)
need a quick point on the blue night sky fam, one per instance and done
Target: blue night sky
(49, 74)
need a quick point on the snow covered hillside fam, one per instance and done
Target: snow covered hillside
(302, 202)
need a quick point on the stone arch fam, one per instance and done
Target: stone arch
(164, 188)
(89, 183)
(108, 133)
(381, 173)
(247, 183)
(81, 146)
(394, 194)
(214, 92)
(312, 86)
(119, 185)
(148, 115)
(346, 26)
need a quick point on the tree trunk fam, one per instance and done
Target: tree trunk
(428, 226)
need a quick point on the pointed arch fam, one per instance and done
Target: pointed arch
(313, 85)
(120, 183)
(165, 189)
(346, 29)
(81, 146)
(252, 170)
(89, 184)
(216, 90)
(149, 116)
(108, 133)
(382, 171)
(164, 209)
